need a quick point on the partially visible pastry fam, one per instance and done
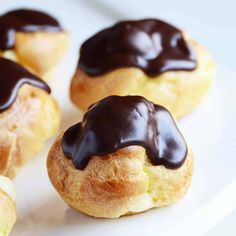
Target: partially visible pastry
(7, 206)
(33, 39)
(28, 116)
(126, 156)
(150, 58)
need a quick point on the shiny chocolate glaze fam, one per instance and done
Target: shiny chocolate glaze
(12, 77)
(151, 45)
(117, 122)
(24, 20)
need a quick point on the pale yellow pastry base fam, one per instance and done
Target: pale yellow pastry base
(7, 206)
(178, 91)
(39, 52)
(117, 184)
(25, 126)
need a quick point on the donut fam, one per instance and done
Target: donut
(34, 39)
(125, 156)
(149, 58)
(7, 206)
(28, 116)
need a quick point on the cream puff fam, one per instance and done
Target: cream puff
(33, 39)
(7, 206)
(150, 58)
(28, 116)
(126, 156)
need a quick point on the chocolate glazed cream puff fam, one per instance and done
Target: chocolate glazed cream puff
(28, 116)
(147, 57)
(7, 206)
(126, 156)
(33, 39)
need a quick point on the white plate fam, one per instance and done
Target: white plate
(210, 130)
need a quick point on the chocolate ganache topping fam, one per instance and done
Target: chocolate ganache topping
(151, 45)
(117, 122)
(12, 77)
(24, 20)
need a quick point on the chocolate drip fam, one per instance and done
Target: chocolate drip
(117, 122)
(151, 45)
(12, 77)
(24, 21)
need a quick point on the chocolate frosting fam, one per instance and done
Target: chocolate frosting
(151, 45)
(12, 77)
(117, 122)
(25, 21)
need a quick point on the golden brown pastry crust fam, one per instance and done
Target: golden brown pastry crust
(7, 212)
(24, 127)
(178, 91)
(117, 184)
(38, 51)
